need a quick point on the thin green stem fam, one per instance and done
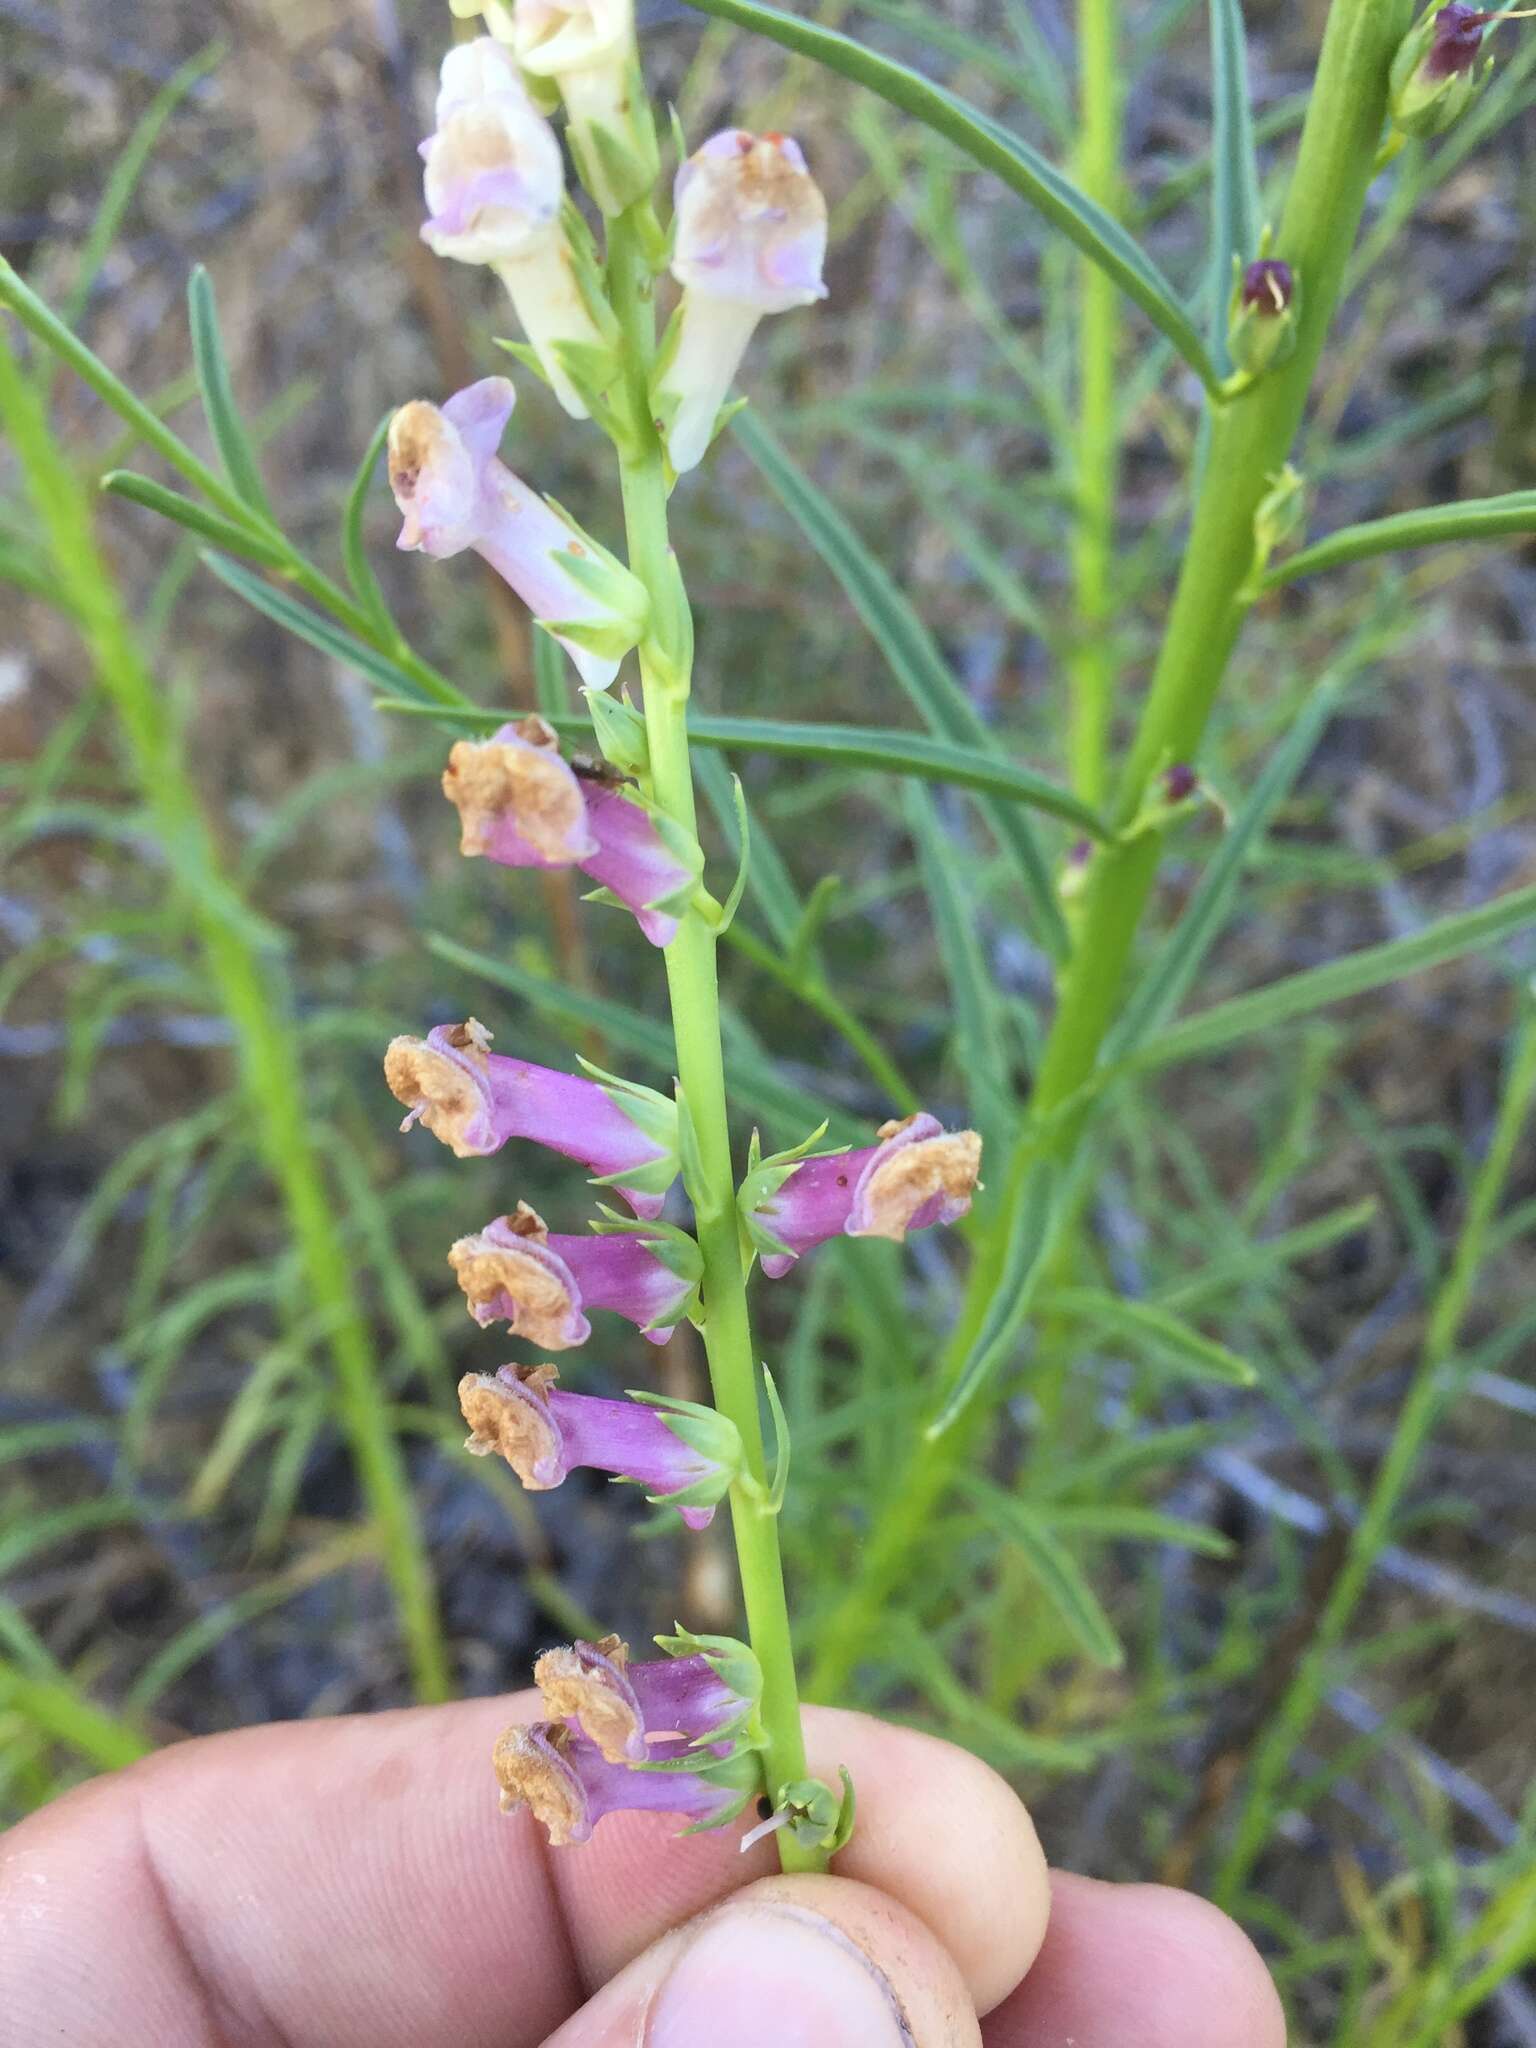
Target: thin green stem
(269, 1055)
(1433, 1383)
(1091, 665)
(1249, 442)
(692, 982)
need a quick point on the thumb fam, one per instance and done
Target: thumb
(800, 1962)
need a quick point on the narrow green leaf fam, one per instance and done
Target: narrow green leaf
(768, 880)
(1472, 519)
(1158, 1329)
(1088, 227)
(1235, 217)
(914, 658)
(333, 640)
(354, 552)
(980, 1045)
(213, 380)
(1298, 995)
(1056, 1571)
(1129, 1524)
(186, 512)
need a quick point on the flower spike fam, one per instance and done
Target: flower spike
(454, 493)
(474, 1100)
(751, 234)
(515, 1272)
(918, 1175)
(685, 1456)
(569, 1786)
(522, 805)
(698, 1696)
(495, 189)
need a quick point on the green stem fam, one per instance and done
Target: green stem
(269, 1055)
(1249, 441)
(692, 982)
(1091, 667)
(1432, 1385)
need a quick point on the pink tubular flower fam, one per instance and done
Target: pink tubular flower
(569, 1785)
(703, 1696)
(454, 493)
(522, 805)
(918, 1175)
(514, 1272)
(495, 185)
(474, 1100)
(684, 1455)
(751, 234)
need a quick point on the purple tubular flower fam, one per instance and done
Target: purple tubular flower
(454, 493)
(918, 1175)
(515, 1272)
(624, 1708)
(520, 804)
(569, 1785)
(474, 1100)
(544, 1434)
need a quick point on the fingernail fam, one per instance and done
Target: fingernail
(766, 1976)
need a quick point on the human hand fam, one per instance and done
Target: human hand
(325, 1884)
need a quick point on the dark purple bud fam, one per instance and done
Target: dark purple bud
(1458, 36)
(1268, 287)
(1180, 782)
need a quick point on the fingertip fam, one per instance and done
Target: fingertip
(1141, 1966)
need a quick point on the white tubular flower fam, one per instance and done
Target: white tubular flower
(586, 48)
(751, 235)
(497, 15)
(495, 187)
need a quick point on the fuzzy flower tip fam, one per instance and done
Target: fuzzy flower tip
(751, 235)
(684, 1456)
(569, 1785)
(515, 1272)
(495, 186)
(520, 803)
(454, 493)
(702, 1697)
(474, 1100)
(918, 1175)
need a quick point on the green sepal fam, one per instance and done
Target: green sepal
(653, 1114)
(620, 732)
(764, 1178)
(526, 354)
(705, 1430)
(735, 1664)
(1258, 341)
(1279, 517)
(820, 1819)
(669, 1242)
(1421, 107)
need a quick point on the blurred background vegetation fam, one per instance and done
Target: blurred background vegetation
(229, 1447)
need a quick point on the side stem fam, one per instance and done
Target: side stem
(692, 982)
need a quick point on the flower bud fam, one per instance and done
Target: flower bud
(495, 189)
(474, 1100)
(569, 1785)
(587, 48)
(685, 1456)
(1261, 318)
(515, 1272)
(522, 805)
(1435, 75)
(918, 1175)
(454, 493)
(751, 235)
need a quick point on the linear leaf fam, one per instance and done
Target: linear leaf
(1131, 1524)
(331, 639)
(912, 653)
(1055, 1570)
(768, 880)
(1297, 995)
(354, 553)
(198, 519)
(1235, 219)
(988, 143)
(1157, 1329)
(1472, 519)
(213, 380)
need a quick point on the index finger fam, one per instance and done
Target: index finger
(352, 1881)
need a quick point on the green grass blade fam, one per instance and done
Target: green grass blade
(1087, 226)
(1298, 995)
(1130, 1524)
(198, 519)
(213, 380)
(1472, 519)
(912, 653)
(354, 553)
(1053, 1568)
(1235, 215)
(1159, 1330)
